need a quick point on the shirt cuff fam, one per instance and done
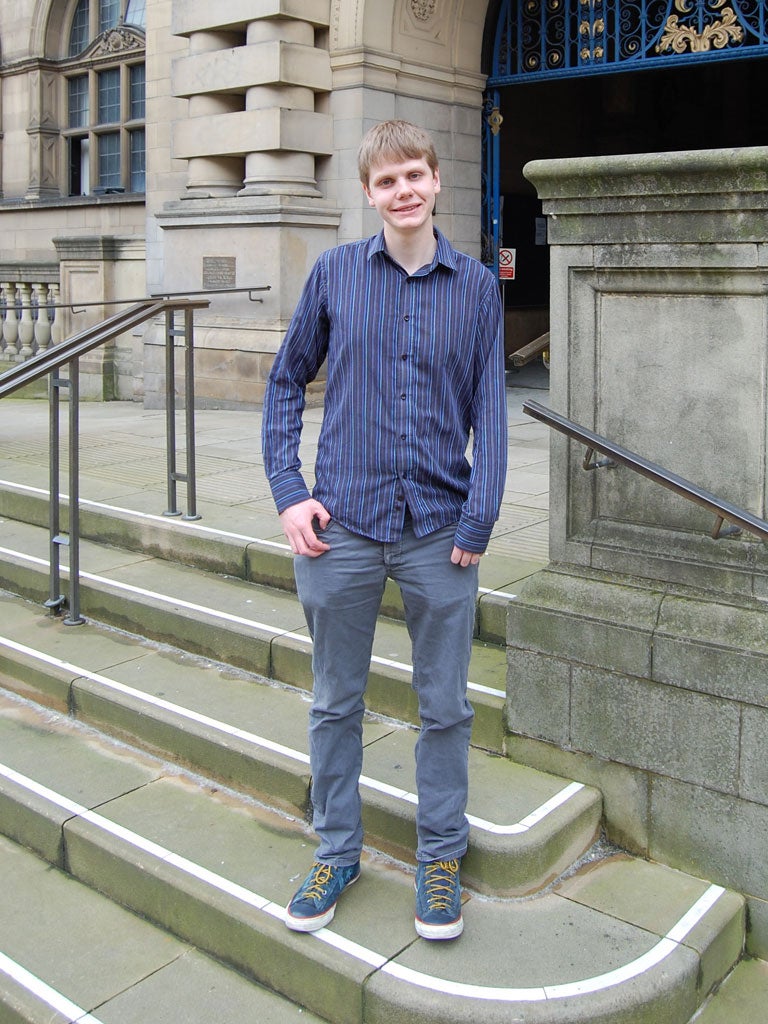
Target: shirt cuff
(472, 535)
(288, 489)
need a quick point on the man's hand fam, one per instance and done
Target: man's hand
(297, 526)
(464, 558)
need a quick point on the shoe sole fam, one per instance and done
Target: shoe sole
(314, 924)
(440, 931)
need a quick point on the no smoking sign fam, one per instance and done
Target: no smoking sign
(507, 264)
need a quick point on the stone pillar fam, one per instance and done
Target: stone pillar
(96, 270)
(215, 175)
(638, 661)
(254, 108)
(254, 102)
(43, 132)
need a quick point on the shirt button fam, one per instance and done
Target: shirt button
(406, 317)
(404, 357)
(403, 397)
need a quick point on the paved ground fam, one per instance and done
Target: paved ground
(123, 462)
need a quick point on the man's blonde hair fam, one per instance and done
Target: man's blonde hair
(396, 141)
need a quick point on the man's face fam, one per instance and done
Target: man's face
(403, 193)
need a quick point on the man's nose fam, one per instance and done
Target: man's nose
(403, 187)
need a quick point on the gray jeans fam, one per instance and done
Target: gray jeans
(341, 592)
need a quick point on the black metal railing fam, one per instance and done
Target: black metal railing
(615, 455)
(68, 353)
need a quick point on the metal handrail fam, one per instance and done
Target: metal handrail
(615, 455)
(68, 352)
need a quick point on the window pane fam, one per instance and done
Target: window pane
(79, 180)
(138, 106)
(109, 160)
(109, 13)
(109, 96)
(138, 161)
(78, 36)
(78, 102)
(136, 13)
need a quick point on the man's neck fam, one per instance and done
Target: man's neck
(411, 251)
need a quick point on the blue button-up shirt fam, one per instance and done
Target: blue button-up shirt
(413, 363)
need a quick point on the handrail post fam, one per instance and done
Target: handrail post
(189, 407)
(55, 597)
(170, 412)
(74, 618)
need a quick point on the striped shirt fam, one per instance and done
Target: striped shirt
(413, 364)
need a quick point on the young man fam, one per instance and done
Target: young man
(410, 331)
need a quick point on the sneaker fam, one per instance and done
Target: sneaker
(438, 900)
(314, 904)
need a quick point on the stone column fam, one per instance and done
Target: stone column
(255, 105)
(218, 174)
(43, 135)
(251, 103)
(638, 660)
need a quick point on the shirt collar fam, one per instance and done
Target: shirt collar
(444, 253)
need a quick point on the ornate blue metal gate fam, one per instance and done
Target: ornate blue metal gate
(546, 39)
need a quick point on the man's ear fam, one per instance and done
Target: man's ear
(436, 176)
(368, 194)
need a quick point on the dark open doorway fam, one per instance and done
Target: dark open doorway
(704, 106)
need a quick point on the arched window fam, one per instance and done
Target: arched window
(105, 98)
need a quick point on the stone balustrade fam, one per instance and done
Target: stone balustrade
(28, 321)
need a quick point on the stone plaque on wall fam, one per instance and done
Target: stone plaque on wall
(219, 272)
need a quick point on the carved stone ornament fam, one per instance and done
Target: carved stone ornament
(115, 40)
(423, 10)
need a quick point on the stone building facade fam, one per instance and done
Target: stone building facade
(163, 146)
(252, 113)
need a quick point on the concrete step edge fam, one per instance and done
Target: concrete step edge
(331, 972)
(122, 966)
(277, 653)
(506, 858)
(266, 561)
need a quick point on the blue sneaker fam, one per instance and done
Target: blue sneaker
(314, 904)
(438, 900)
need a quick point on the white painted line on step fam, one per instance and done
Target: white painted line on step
(535, 816)
(186, 525)
(45, 993)
(225, 616)
(153, 517)
(654, 956)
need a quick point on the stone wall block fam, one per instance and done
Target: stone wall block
(753, 783)
(624, 790)
(717, 648)
(542, 707)
(675, 733)
(252, 131)
(718, 837)
(243, 67)
(203, 16)
(587, 620)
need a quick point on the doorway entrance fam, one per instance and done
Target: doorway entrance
(573, 78)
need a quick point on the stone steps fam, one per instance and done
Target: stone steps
(259, 629)
(68, 951)
(163, 763)
(527, 826)
(619, 940)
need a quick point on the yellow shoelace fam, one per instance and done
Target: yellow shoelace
(315, 891)
(440, 883)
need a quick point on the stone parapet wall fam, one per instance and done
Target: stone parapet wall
(638, 661)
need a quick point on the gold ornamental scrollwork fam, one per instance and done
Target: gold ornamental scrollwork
(495, 121)
(717, 35)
